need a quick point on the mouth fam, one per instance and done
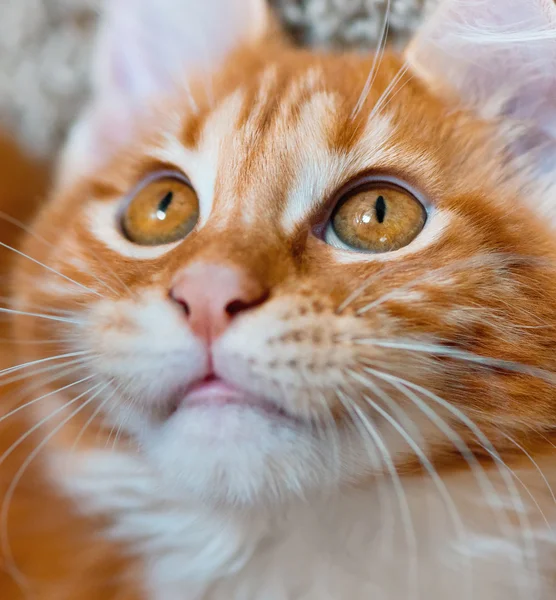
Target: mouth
(214, 393)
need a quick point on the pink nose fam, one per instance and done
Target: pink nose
(212, 295)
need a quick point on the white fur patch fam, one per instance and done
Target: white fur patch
(332, 547)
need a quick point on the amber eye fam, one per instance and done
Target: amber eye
(377, 218)
(163, 211)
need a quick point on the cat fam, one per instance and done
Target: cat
(285, 327)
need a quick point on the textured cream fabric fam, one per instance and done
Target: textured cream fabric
(45, 47)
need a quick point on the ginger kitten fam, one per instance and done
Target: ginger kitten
(286, 325)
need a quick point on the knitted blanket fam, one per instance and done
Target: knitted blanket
(45, 48)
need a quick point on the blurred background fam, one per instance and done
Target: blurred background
(45, 47)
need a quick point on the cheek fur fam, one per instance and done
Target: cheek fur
(144, 345)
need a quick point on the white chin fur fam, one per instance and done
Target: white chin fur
(236, 456)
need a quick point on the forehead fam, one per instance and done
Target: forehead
(278, 136)
(271, 142)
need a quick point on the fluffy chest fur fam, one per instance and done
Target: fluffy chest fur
(468, 536)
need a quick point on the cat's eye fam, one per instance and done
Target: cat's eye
(162, 211)
(376, 218)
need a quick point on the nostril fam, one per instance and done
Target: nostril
(237, 306)
(211, 296)
(182, 303)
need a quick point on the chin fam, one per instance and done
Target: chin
(237, 456)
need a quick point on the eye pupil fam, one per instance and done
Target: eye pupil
(161, 211)
(380, 209)
(377, 219)
(163, 206)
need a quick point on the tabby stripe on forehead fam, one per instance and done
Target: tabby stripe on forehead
(321, 168)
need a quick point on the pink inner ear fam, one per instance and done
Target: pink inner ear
(498, 55)
(148, 49)
(485, 48)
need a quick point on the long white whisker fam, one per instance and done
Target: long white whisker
(38, 425)
(534, 463)
(37, 400)
(359, 291)
(477, 469)
(93, 416)
(502, 468)
(388, 523)
(50, 269)
(4, 216)
(494, 259)
(332, 428)
(382, 101)
(405, 510)
(424, 460)
(459, 355)
(8, 300)
(49, 341)
(44, 360)
(48, 317)
(5, 543)
(23, 374)
(376, 62)
(459, 443)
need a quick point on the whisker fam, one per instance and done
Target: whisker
(48, 317)
(388, 524)
(8, 300)
(405, 510)
(333, 429)
(4, 513)
(519, 507)
(386, 95)
(460, 355)
(535, 464)
(522, 483)
(129, 405)
(48, 395)
(40, 238)
(44, 360)
(423, 459)
(50, 269)
(376, 62)
(26, 375)
(96, 412)
(392, 94)
(494, 259)
(485, 484)
(359, 291)
(50, 341)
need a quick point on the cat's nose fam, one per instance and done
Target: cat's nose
(212, 295)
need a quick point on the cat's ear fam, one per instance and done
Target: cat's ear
(499, 58)
(149, 48)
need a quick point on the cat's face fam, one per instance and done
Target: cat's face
(288, 278)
